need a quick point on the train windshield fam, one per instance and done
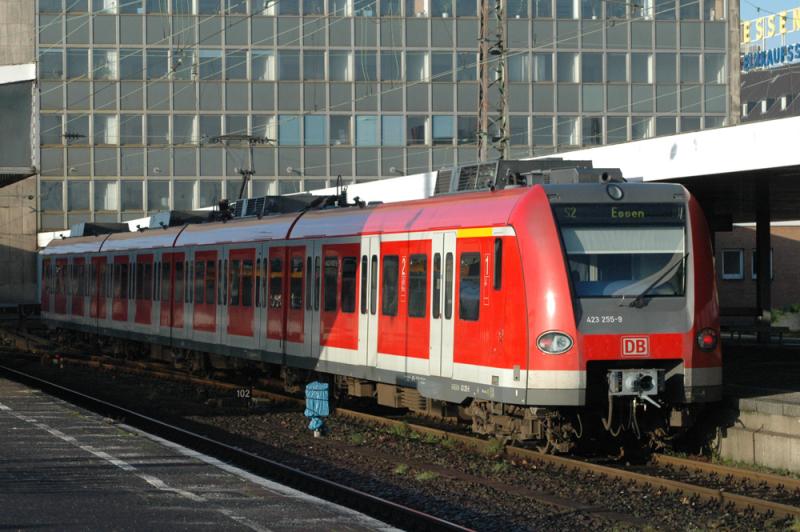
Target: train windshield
(622, 250)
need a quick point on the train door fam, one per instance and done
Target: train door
(180, 326)
(313, 287)
(259, 298)
(178, 290)
(171, 291)
(144, 289)
(368, 296)
(443, 247)
(119, 301)
(276, 297)
(476, 332)
(204, 317)
(238, 292)
(60, 299)
(98, 288)
(77, 287)
(418, 314)
(44, 287)
(296, 343)
(339, 301)
(392, 303)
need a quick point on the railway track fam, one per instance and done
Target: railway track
(385, 510)
(693, 479)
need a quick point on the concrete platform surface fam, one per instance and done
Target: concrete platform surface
(63, 468)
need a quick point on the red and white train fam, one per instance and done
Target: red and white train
(526, 307)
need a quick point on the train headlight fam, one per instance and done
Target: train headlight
(554, 343)
(707, 339)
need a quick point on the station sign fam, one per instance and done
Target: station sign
(775, 27)
(780, 23)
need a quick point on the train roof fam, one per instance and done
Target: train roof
(148, 239)
(80, 245)
(236, 231)
(478, 209)
(450, 211)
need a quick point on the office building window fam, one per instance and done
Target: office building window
(732, 264)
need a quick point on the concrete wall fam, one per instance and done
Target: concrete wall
(739, 293)
(18, 242)
(17, 211)
(17, 33)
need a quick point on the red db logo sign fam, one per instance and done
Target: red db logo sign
(635, 346)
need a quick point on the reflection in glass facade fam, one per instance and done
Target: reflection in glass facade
(135, 92)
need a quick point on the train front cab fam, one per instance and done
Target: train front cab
(642, 285)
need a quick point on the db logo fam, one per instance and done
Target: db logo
(635, 346)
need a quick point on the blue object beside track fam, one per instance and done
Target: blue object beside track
(317, 404)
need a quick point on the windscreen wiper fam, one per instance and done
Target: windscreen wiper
(639, 301)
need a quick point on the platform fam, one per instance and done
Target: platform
(63, 468)
(762, 406)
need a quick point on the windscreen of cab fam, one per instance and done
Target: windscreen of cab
(621, 250)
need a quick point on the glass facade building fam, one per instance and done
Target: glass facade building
(134, 92)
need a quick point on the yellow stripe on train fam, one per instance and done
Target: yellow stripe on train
(474, 232)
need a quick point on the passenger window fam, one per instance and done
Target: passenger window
(437, 285)
(199, 281)
(498, 263)
(178, 281)
(234, 293)
(316, 283)
(373, 286)
(349, 269)
(276, 283)
(448, 286)
(296, 283)
(417, 286)
(308, 283)
(165, 271)
(469, 286)
(389, 291)
(147, 282)
(211, 279)
(363, 284)
(331, 279)
(247, 283)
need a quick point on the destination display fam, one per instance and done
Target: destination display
(619, 213)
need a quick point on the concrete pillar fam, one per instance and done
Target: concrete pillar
(734, 68)
(763, 246)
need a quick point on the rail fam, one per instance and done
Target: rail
(385, 510)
